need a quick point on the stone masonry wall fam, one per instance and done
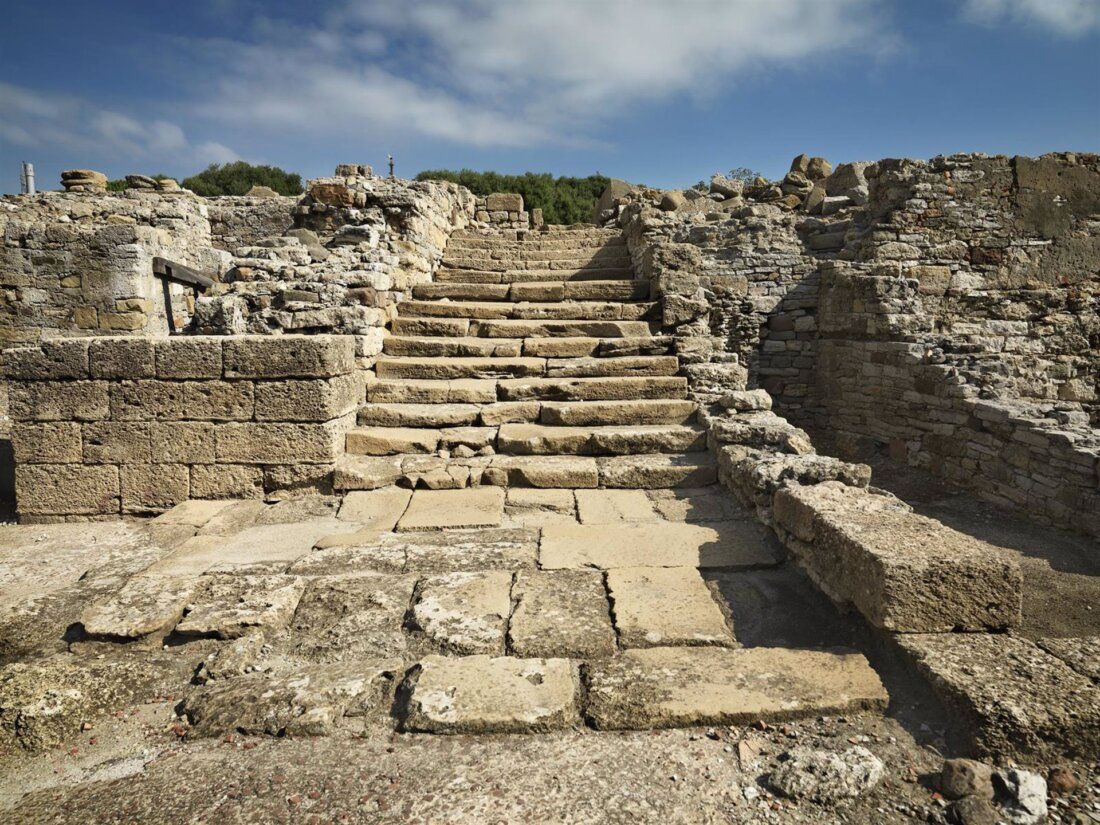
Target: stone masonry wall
(112, 426)
(237, 221)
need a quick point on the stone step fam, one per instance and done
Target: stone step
(538, 439)
(492, 265)
(403, 440)
(447, 274)
(640, 472)
(418, 346)
(447, 368)
(552, 310)
(552, 413)
(542, 242)
(614, 290)
(595, 347)
(427, 391)
(522, 255)
(591, 389)
(556, 329)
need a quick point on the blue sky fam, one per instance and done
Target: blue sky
(663, 92)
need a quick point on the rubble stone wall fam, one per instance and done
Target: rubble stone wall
(237, 221)
(123, 425)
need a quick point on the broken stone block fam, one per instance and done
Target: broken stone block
(642, 595)
(827, 777)
(1012, 699)
(146, 605)
(445, 509)
(904, 572)
(1081, 654)
(560, 613)
(465, 613)
(480, 694)
(309, 702)
(665, 687)
(352, 616)
(375, 509)
(228, 605)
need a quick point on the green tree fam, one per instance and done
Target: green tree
(119, 184)
(238, 177)
(562, 200)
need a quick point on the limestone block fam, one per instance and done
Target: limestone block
(154, 487)
(666, 687)
(544, 471)
(252, 443)
(66, 489)
(904, 572)
(614, 506)
(117, 442)
(290, 478)
(480, 694)
(226, 481)
(231, 605)
(50, 443)
(182, 442)
(144, 606)
(641, 596)
(51, 360)
(560, 613)
(308, 400)
(453, 509)
(58, 400)
(120, 358)
(466, 612)
(504, 202)
(189, 357)
(289, 356)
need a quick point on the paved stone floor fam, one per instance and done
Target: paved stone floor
(591, 656)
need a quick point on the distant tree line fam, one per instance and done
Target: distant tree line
(562, 200)
(232, 179)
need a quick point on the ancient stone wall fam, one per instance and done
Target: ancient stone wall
(237, 221)
(121, 425)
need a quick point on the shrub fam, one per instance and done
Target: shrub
(562, 200)
(238, 177)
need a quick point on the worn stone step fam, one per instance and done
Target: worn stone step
(538, 439)
(447, 274)
(447, 346)
(546, 242)
(613, 290)
(559, 329)
(608, 367)
(419, 415)
(597, 347)
(591, 389)
(428, 391)
(602, 413)
(665, 687)
(416, 327)
(450, 368)
(657, 472)
(532, 310)
(538, 258)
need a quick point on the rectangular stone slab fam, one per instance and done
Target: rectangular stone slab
(560, 613)
(658, 606)
(591, 389)
(229, 605)
(1012, 699)
(667, 687)
(479, 694)
(466, 612)
(652, 472)
(720, 544)
(441, 509)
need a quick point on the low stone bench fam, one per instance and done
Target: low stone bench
(904, 572)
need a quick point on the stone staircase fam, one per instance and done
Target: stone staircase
(531, 361)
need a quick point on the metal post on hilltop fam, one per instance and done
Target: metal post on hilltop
(390, 159)
(26, 179)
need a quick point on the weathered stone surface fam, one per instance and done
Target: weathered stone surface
(375, 508)
(591, 389)
(146, 605)
(641, 596)
(189, 357)
(440, 509)
(354, 472)
(195, 513)
(544, 471)
(348, 617)
(827, 777)
(425, 391)
(613, 506)
(673, 686)
(480, 694)
(65, 489)
(391, 440)
(153, 488)
(697, 504)
(465, 613)
(277, 443)
(536, 439)
(656, 411)
(418, 415)
(226, 481)
(455, 550)
(289, 356)
(1081, 654)
(309, 702)
(1011, 698)
(58, 400)
(229, 606)
(560, 613)
(965, 777)
(261, 544)
(320, 399)
(904, 572)
(721, 544)
(48, 443)
(649, 472)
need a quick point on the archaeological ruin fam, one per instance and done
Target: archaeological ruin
(768, 501)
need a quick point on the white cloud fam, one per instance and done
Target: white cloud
(1071, 18)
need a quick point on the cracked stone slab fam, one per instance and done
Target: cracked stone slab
(1081, 654)
(666, 687)
(454, 550)
(379, 508)
(372, 556)
(228, 606)
(234, 518)
(696, 504)
(465, 613)
(145, 605)
(308, 702)
(560, 613)
(443, 509)
(613, 506)
(194, 513)
(642, 597)
(1012, 698)
(730, 544)
(341, 617)
(481, 694)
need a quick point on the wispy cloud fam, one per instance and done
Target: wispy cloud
(31, 119)
(1069, 18)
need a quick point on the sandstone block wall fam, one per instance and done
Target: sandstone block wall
(110, 426)
(237, 221)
